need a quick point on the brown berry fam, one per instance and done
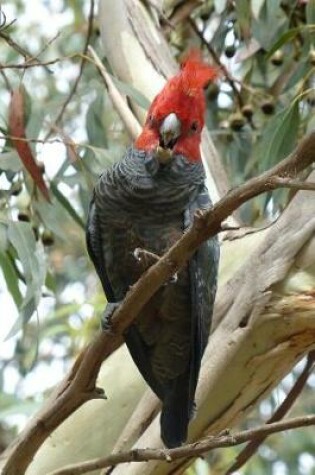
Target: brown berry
(16, 188)
(213, 91)
(277, 58)
(248, 111)
(41, 166)
(47, 238)
(311, 57)
(230, 51)
(236, 121)
(268, 106)
(24, 216)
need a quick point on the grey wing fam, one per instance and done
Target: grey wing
(95, 250)
(203, 271)
(137, 347)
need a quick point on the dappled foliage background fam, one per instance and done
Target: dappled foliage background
(50, 298)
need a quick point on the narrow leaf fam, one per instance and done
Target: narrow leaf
(66, 204)
(10, 161)
(17, 129)
(11, 278)
(279, 136)
(285, 38)
(32, 257)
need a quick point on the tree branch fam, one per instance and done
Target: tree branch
(79, 385)
(190, 450)
(252, 447)
(131, 123)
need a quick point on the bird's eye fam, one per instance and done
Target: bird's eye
(194, 126)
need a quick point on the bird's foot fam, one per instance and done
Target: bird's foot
(108, 314)
(147, 259)
(144, 257)
(200, 218)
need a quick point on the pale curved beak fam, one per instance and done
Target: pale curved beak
(170, 130)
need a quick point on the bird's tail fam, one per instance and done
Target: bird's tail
(177, 410)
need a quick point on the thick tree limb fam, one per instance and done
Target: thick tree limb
(252, 447)
(79, 386)
(191, 450)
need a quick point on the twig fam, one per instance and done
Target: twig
(131, 123)
(63, 141)
(28, 65)
(293, 184)
(82, 64)
(79, 385)
(19, 49)
(188, 451)
(216, 58)
(46, 45)
(252, 447)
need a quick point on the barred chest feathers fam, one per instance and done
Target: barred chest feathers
(140, 186)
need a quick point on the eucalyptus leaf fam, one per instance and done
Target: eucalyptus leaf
(11, 278)
(3, 237)
(32, 258)
(10, 161)
(284, 38)
(66, 204)
(243, 13)
(270, 24)
(54, 216)
(310, 19)
(95, 127)
(279, 136)
(220, 6)
(310, 12)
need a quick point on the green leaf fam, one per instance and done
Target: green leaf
(310, 17)
(256, 6)
(66, 204)
(279, 136)
(243, 13)
(3, 237)
(95, 127)
(284, 38)
(10, 161)
(54, 216)
(270, 24)
(302, 69)
(220, 6)
(131, 92)
(310, 12)
(32, 258)
(11, 278)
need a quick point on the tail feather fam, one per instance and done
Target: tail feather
(177, 410)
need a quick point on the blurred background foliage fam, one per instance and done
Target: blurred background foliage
(50, 297)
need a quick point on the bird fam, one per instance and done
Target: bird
(140, 207)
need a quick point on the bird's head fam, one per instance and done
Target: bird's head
(177, 114)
